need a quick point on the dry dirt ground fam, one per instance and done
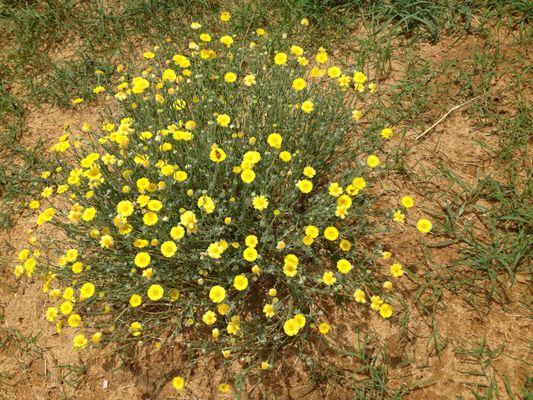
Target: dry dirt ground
(36, 363)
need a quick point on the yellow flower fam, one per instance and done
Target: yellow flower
(249, 80)
(217, 294)
(357, 115)
(329, 278)
(86, 290)
(226, 40)
(155, 205)
(169, 75)
(269, 310)
(372, 161)
(79, 341)
(180, 176)
(398, 216)
(96, 337)
(359, 77)
(345, 245)
(46, 216)
(386, 133)
(375, 302)
(324, 328)
(169, 248)
(205, 37)
(240, 282)
(150, 218)
(331, 233)
(77, 267)
(230, 77)
(359, 183)
(299, 84)
(209, 318)
(247, 175)
(251, 241)
(135, 300)
(136, 328)
(305, 185)
(296, 50)
(141, 243)
(223, 309)
(291, 259)
(68, 293)
(335, 189)
(88, 214)
(359, 296)
(139, 85)
(66, 307)
(142, 259)
(321, 57)
(223, 120)
(74, 320)
(334, 72)
(291, 327)
(424, 225)
(274, 140)
(408, 201)
(217, 154)
(71, 255)
(308, 106)
(177, 233)
(396, 270)
(178, 383)
(285, 156)
(280, 58)
(290, 266)
(344, 266)
(51, 314)
(311, 231)
(250, 158)
(260, 202)
(250, 254)
(309, 172)
(215, 250)
(300, 320)
(206, 203)
(344, 201)
(155, 292)
(225, 16)
(223, 388)
(385, 310)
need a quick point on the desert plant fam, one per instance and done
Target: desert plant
(224, 201)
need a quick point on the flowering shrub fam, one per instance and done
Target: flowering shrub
(226, 204)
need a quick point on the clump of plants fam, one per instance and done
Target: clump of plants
(225, 201)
